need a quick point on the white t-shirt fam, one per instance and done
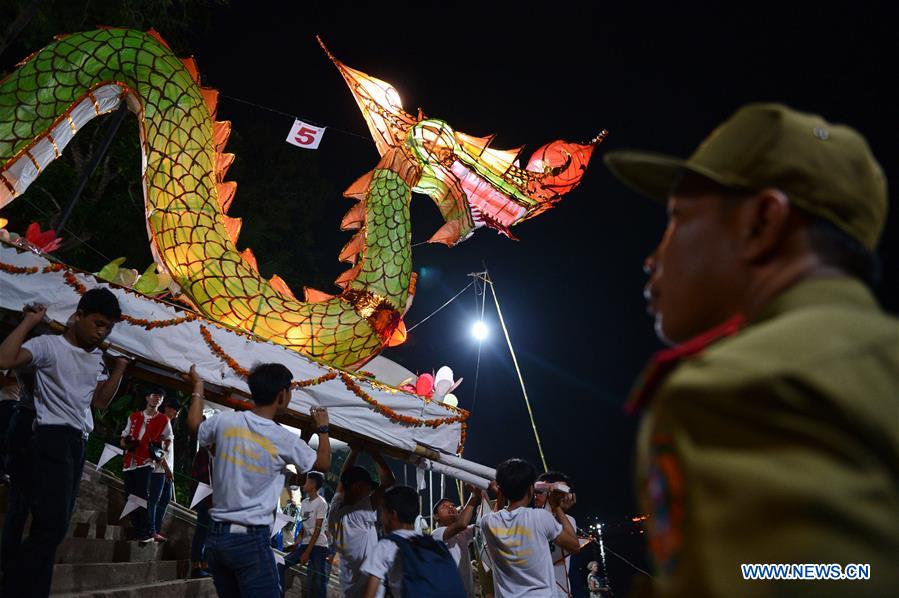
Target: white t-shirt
(65, 380)
(310, 512)
(166, 435)
(251, 453)
(561, 559)
(355, 537)
(458, 548)
(169, 457)
(383, 564)
(518, 543)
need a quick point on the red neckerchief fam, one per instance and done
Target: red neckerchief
(663, 362)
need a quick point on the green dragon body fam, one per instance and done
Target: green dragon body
(58, 89)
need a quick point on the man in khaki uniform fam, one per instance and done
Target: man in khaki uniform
(771, 428)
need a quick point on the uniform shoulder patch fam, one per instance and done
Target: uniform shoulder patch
(663, 498)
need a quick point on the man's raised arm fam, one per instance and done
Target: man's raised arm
(347, 463)
(474, 499)
(568, 538)
(195, 413)
(386, 476)
(12, 355)
(106, 390)
(323, 454)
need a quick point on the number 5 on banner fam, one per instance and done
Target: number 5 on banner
(305, 135)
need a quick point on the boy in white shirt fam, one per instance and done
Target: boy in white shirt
(518, 537)
(252, 452)
(313, 542)
(405, 556)
(353, 517)
(69, 377)
(455, 530)
(163, 476)
(561, 558)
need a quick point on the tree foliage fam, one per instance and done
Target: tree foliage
(280, 191)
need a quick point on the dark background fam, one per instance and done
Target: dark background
(657, 76)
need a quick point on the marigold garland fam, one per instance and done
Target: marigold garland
(463, 435)
(314, 381)
(10, 269)
(221, 354)
(72, 281)
(151, 324)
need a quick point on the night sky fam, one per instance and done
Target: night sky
(656, 76)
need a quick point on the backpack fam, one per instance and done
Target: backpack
(428, 568)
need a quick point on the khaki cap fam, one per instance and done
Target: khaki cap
(825, 169)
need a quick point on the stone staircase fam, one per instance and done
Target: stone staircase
(98, 558)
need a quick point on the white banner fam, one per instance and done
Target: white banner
(280, 521)
(305, 135)
(203, 490)
(133, 503)
(109, 452)
(279, 558)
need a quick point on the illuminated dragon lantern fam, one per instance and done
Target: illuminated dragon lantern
(58, 89)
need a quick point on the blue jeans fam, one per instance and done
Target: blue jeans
(158, 502)
(316, 570)
(201, 532)
(242, 564)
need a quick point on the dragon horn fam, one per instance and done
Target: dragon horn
(380, 104)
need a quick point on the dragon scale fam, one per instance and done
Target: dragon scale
(80, 76)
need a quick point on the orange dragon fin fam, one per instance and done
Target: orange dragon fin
(279, 285)
(232, 225)
(247, 255)
(352, 248)
(354, 217)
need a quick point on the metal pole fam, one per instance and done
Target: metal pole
(431, 493)
(464, 476)
(95, 161)
(517, 370)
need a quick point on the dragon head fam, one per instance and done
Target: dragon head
(472, 184)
